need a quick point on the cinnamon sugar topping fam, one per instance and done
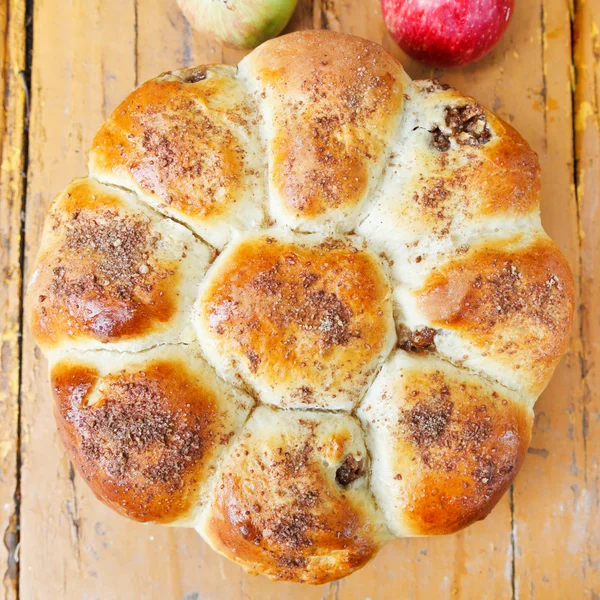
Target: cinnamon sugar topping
(120, 247)
(137, 437)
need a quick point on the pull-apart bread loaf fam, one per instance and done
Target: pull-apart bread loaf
(303, 305)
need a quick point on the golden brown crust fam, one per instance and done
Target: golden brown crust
(515, 303)
(172, 149)
(147, 442)
(182, 138)
(291, 501)
(303, 319)
(103, 274)
(332, 102)
(469, 446)
(454, 443)
(473, 148)
(511, 183)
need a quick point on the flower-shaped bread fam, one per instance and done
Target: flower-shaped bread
(303, 305)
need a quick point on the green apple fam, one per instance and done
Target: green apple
(239, 23)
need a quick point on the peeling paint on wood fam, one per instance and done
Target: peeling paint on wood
(12, 144)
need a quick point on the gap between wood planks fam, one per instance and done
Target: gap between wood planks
(585, 54)
(578, 201)
(16, 104)
(574, 8)
(323, 16)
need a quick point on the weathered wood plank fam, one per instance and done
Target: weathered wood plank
(12, 124)
(550, 522)
(83, 63)
(587, 144)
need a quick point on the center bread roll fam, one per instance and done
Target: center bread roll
(304, 320)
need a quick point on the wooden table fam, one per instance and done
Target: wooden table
(65, 65)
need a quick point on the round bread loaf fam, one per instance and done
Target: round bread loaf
(303, 305)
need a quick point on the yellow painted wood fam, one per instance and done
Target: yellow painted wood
(12, 123)
(586, 497)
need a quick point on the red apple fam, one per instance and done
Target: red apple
(447, 33)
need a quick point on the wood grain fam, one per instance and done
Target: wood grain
(587, 178)
(77, 78)
(12, 147)
(544, 497)
(542, 541)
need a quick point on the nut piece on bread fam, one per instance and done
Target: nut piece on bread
(303, 305)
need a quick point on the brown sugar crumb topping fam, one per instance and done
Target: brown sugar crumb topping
(293, 529)
(137, 437)
(293, 301)
(295, 460)
(349, 471)
(503, 292)
(450, 436)
(322, 313)
(120, 246)
(433, 85)
(305, 394)
(291, 562)
(327, 314)
(338, 175)
(361, 95)
(419, 340)
(184, 156)
(503, 286)
(171, 141)
(295, 523)
(431, 197)
(428, 420)
(309, 279)
(320, 168)
(466, 125)
(313, 311)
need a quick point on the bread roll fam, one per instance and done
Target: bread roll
(329, 114)
(146, 430)
(111, 272)
(292, 499)
(445, 444)
(304, 320)
(187, 142)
